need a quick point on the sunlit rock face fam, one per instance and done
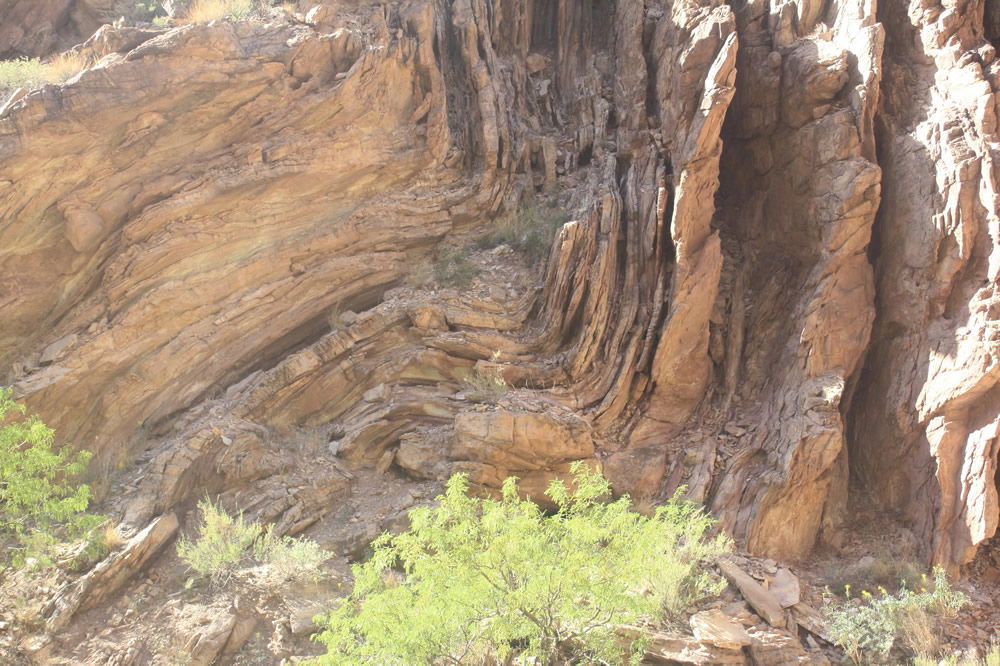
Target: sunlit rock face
(776, 284)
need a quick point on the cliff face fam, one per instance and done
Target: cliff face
(778, 285)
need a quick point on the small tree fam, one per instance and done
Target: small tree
(39, 504)
(488, 578)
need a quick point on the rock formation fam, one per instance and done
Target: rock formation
(778, 284)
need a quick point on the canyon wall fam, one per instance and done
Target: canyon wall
(777, 284)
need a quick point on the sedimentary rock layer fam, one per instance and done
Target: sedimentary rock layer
(779, 272)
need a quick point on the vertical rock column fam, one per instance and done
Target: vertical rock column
(924, 423)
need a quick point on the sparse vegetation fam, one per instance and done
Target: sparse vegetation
(498, 578)
(333, 317)
(40, 506)
(453, 268)
(882, 569)
(224, 543)
(291, 558)
(528, 231)
(30, 73)
(203, 11)
(992, 658)
(486, 383)
(907, 620)
(131, 12)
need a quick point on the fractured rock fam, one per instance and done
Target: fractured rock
(715, 628)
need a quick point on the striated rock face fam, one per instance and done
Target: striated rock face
(778, 277)
(927, 406)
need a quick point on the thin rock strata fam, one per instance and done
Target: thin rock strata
(778, 276)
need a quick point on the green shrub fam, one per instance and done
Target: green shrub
(291, 558)
(494, 578)
(869, 632)
(40, 507)
(991, 658)
(222, 544)
(454, 269)
(33, 73)
(21, 73)
(529, 232)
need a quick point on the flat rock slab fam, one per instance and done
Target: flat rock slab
(716, 628)
(671, 649)
(785, 588)
(762, 601)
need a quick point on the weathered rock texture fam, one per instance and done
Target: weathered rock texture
(33, 28)
(780, 271)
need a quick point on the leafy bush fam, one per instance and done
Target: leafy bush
(21, 73)
(491, 578)
(30, 73)
(529, 232)
(869, 632)
(222, 544)
(39, 504)
(225, 542)
(454, 269)
(291, 558)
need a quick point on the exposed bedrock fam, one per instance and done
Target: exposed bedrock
(777, 285)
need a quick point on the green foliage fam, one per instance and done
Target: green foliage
(869, 632)
(224, 543)
(529, 232)
(21, 73)
(39, 504)
(494, 578)
(291, 558)
(991, 658)
(454, 269)
(33, 73)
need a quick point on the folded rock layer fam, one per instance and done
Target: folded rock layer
(779, 271)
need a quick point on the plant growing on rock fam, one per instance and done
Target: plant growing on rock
(868, 632)
(222, 542)
(40, 506)
(30, 73)
(453, 268)
(225, 542)
(529, 232)
(213, 10)
(497, 578)
(487, 383)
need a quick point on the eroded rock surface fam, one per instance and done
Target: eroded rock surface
(778, 271)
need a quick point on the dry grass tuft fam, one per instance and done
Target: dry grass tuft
(65, 66)
(203, 11)
(112, 538)
(33, 73)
